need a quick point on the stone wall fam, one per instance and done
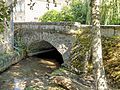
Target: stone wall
(56, 34)
(29, 36)
(2, 45)
(5, 41)
(7, 59)
(60, 35)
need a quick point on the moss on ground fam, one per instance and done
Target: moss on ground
(79, 49)
(111, 56)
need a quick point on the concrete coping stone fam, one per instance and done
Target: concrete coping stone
(76, 24)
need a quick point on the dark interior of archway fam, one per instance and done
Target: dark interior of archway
(51, 53)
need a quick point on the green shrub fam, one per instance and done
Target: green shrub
(80, 11)
(66, 14)
(50, 16)
(76, 12)
(1, 27)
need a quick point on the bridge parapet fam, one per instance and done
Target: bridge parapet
(65, 27)
(61, 35)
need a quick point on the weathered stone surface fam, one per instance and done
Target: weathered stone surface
(65, 78)
(65, 82)
(56, 35)
(2, 45)
(61, 35)
(7, 59)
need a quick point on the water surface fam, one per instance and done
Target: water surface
(29, 72)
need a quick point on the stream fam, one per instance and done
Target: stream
(28, 74)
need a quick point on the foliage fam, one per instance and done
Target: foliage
(111, 56)
(76, 12)
(19, 45)
(55, 16)
(6, 10)
(50, 16)
(1, 27)
(79, 49)
(80, 11)
(29, 88)
(66, 14)
(5, 13)
(110, 12)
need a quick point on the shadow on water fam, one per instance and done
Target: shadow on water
(30, 71)
(53, 54)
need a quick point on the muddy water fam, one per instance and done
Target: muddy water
(28, 74)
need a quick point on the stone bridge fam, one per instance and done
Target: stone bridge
(38, 37)
(42, 36)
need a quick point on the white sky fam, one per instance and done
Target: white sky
(38, 10)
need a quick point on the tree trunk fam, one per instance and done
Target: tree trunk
(98, 70)
(6, 36)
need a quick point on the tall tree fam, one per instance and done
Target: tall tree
(110, 12)
(99, 72)
(6, 8)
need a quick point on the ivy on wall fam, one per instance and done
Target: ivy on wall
(5, 12)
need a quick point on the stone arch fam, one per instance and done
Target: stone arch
(63, 47)
(43, 46)
(62, 42)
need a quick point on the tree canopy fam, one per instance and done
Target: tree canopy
(5, 11)
(80, 11)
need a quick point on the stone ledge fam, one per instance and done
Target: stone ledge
(7, 59)
(77, 24)
(63, 27)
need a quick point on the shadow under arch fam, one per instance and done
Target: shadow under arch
(44, 49)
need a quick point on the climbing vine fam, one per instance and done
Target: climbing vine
(5, 11)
